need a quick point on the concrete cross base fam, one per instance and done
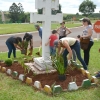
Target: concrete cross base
(35, 69)
(42, 64)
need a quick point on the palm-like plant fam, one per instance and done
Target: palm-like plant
(58, 64)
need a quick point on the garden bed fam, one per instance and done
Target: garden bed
(72, 74)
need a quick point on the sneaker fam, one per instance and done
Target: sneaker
(97, 75)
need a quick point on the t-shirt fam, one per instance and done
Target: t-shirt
(70, 40)
(53, 37)
(12, 40)
(85, 31)
(40, 32)
(62, 31)
(27, 37)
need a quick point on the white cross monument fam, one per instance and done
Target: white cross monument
(46, 19)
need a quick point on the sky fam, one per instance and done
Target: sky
(68, 6)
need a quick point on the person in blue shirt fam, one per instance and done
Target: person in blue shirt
(12, 43)
(40, 34)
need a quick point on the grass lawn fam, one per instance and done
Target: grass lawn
(14, 90)
(18, 28)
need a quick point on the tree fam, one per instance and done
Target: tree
(57, 11)
(87, 7)
(40, 11)
(16, 13)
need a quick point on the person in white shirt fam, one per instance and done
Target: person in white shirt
(66, 45)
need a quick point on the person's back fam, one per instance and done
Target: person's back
(27, 37)
(53, 37)
(70, 40)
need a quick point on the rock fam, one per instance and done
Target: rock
(37, 84)
(57, 89)
(29, 80)
(3, 69)
(83, 71)
(0, 67)
(47, 89)
(9, 72)
(86, 83)
(14, 74)
(21, 77)
(87, 74)
(94, 80)
(72, 86)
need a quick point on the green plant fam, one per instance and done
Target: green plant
(8, 62)
(58, 64)
(26, 68)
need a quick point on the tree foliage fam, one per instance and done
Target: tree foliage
(16, 13)
(40, 11)
(87, 7)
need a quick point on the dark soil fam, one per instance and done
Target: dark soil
(50, 78)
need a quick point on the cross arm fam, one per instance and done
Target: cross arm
(58, 17)
(34, 17)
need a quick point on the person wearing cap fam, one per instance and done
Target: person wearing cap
(12, 43)
(51, 40)
(28, 38)
(40, 34)
(67, 44)
(87, 34)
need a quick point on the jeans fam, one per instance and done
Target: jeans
(74, 55)
(10, 48)
(76, 47)
(52, 51)
(87, 52)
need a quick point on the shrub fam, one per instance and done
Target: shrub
(8, 62)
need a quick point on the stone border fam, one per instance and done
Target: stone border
(54, 89)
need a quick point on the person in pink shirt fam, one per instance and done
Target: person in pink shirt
(50, 42)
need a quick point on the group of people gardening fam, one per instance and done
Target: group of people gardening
(59, 43)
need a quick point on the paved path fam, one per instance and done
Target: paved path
(36, 38)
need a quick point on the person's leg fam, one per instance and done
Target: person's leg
(74, 55)
(76, 47)
(9, 48)
(14, 51)
(54, 51)
(65, 53)
(51, 51)
(87, 53)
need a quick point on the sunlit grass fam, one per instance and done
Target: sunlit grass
(18, 28)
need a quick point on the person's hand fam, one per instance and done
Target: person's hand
(20, 49)
(69, 62)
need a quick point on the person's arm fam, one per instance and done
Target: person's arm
(61, 51)
(24, 37)
(18, 47)
(69, 31)
(48, 42)
(66, 45)
(58, 30)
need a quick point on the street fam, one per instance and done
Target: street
(36, 38)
